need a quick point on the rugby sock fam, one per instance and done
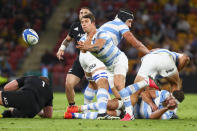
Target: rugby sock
(89, 95)
(88, 115)
(91, 106)
(118, 112)
(135, 87)
(120, 104)
(124, 94)
(102, 98)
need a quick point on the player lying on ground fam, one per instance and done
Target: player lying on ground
(27, 97)
(166, 102)
(141, 84)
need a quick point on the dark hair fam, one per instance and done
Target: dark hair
(179, 95)
(85, 7)
(89, 16)
(125, 14)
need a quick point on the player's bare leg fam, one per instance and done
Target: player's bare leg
(71, 82)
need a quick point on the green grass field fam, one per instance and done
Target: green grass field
(187, 112)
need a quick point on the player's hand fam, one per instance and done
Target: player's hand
(172, 104)
(153, 107)
(60, 54)
(83, 47)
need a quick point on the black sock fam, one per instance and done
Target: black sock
(7, 114)
(72, 104)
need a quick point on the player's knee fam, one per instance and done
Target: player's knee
(118, 85)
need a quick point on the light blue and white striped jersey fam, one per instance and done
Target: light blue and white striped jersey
(115, 29)
(174, 55)
(146, 111)
(108, 52)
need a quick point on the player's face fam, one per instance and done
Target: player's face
(86, 24)
(83, 12)
(129, 22)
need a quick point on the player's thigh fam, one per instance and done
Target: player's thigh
(121, 65)
(72, 80)
(148, 66)
(168, 69)
(17, 99)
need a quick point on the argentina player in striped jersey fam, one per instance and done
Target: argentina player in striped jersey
(103, 48)
(166, 102)
(119, 29)
(164, 64)
(161, 64)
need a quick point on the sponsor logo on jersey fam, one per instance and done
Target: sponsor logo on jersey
(80, 35)
(92, 66)
(170, 70)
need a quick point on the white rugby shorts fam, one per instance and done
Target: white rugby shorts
(154, 64)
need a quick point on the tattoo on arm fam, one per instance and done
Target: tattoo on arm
(94, 48)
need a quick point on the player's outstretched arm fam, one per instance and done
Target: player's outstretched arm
(158, 113)
(11, 86)
(135, 43)
(63, 46)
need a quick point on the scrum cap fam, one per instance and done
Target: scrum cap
(124, 15)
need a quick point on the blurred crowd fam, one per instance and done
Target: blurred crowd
(15, 16)
(168, 24)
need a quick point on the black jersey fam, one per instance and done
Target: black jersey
(42, 91)
(76, 31)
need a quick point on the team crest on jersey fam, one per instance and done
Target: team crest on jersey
(77, 29)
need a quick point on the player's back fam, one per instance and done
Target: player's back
(172, 54)
(41, 89)
(115, 29)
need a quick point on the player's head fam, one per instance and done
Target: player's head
(178, 95)
(183, 61)
(126, 16)
(88, 22)
(84, 11)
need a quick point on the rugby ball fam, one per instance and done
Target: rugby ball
(30, 36)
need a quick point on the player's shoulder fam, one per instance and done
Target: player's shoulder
(101, 33)
(83, 38)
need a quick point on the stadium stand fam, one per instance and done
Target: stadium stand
(15, 16)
